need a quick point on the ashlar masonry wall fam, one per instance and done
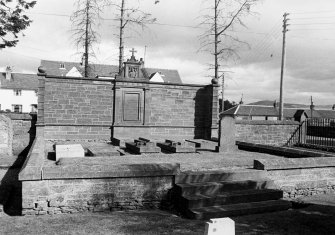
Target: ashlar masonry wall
(100, 109)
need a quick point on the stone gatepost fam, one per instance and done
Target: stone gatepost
(6, 135)
(227, 133)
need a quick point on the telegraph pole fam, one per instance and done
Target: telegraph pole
(281, 100)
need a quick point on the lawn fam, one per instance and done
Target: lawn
(309, 219)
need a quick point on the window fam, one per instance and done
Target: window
(17, 92)
(62, 66)
(16, 108)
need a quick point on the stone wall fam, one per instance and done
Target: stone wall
(275, 133)
(100, 109)
(22, 131)
(6, 135)
(75, 195)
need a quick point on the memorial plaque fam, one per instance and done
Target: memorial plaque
(131, 106)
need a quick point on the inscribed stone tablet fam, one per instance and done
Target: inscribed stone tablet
(69, 151)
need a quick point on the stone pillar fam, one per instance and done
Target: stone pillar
(227, 134)
(6, 135)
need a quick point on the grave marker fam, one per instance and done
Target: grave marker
(142, 145)
(178, 147)
(69, 151)
(221, 226)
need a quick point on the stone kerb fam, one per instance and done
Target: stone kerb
(6, 135)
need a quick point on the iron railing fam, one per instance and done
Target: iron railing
(318, 132)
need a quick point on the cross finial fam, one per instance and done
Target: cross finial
(133, 52)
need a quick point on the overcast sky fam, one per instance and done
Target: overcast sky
(310, 69)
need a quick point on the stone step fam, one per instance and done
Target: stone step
(233, 197)
(214, 176)
(238, 209)
(215, 188)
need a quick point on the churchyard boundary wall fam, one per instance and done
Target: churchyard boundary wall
(266, 132)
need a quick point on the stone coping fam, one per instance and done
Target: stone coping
(282, 151)
(266, 122)
(88, 170)
(31, 169)
(287, 164)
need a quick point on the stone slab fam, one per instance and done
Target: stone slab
(99, 168)
(220, 226)
(69, 151)
(285, 163)
(178, 147)
(142, 145)
(283, 151)
(107, 151)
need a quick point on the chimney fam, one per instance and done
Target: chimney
(8, 73)
(333, 108)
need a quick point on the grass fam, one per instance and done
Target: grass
(308, 219)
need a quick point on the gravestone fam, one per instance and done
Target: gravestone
(220, 226)
(103, 151)
(69, 151)
(6, 135)
(178, 146)
(142, 145)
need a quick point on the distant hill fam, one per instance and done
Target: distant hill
(288, 105)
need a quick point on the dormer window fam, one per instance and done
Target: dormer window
(17, 92)
(62, 66)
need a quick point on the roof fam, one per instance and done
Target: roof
(102, 70)
(53, 68)
(20, 81)
(168, 75)
(270, 111)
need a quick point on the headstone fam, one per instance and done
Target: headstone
(221, 226)
(6, 135)
(178, 146)
(107, 151)
(142, 145)
(69, 151)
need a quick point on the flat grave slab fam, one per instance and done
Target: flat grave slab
(106, 151)
(142, 145)
(69, 151)
(178, 146)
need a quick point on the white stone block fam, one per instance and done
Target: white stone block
(69, 151)
(221, 226)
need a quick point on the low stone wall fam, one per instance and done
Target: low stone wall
(275, 133)
(301, 177)
(6, 135)
(91, 184)
(22, 131)
(76, 195)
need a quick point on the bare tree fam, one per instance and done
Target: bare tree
(220, 21)
(84, 26)
(13, 20)
(129, 16)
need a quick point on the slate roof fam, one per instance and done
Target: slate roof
(19, 81)
(53, 68)
(168, 75)
(270, 111)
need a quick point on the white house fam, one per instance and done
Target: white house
(18, 92)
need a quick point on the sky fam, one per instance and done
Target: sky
(173, 43)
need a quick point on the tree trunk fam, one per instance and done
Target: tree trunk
(121, 38)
